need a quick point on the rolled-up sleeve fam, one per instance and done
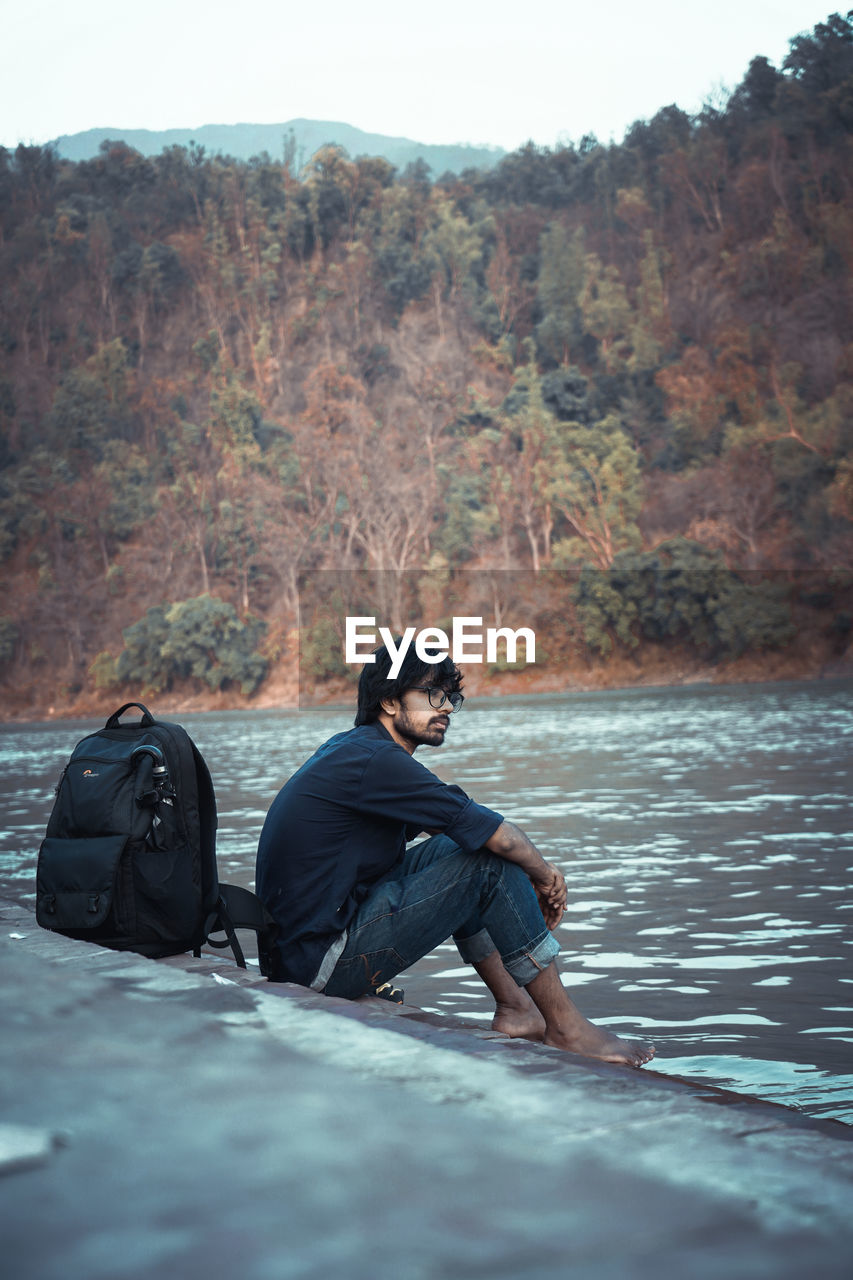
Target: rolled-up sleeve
(395, 785)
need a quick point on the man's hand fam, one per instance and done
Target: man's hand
(551, 891)
(510, 842)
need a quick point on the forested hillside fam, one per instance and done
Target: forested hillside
(603, 390)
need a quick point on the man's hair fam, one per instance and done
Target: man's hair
(374, 683)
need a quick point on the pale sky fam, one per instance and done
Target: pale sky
(500, 72)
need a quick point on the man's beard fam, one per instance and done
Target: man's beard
(432, 736)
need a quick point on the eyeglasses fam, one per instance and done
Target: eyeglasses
(437, 697)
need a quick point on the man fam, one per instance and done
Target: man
(355, 907)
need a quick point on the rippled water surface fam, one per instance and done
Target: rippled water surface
(705, 833)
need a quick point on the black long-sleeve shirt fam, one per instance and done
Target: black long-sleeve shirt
(340, 824)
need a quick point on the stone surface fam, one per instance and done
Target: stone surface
(195, 1120)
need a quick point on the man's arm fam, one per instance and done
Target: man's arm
(510, 842)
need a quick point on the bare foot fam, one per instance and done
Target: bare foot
(524, 1023)
(594, 1042)
(566, 1027)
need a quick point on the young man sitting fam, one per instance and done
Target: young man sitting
(355, 906)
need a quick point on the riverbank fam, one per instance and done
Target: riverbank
(161, 1117)
(812, 656)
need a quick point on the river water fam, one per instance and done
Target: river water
(705, 833)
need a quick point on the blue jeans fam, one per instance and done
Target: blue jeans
(485, 902)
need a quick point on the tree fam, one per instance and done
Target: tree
(841, 492)
(9, 638)
(403, 263)
(754, 98)
(596, 485)
(91, 406)
(188, 503)
(739, 502)
(504, 282)
(562, 272)
(329, 180)
(816, 92)
(458, 250)
(651, 331)
(518, 454)
(607, 312)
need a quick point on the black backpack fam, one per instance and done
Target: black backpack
(129, 857)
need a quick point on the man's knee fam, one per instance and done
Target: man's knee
(495, 868)
(491, 868)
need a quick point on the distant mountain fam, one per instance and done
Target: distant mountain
(297, 139)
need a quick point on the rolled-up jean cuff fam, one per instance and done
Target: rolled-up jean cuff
(524, 966)
(476, 948)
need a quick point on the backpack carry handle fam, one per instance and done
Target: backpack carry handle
(147, 718)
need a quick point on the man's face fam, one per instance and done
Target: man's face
(415, 723)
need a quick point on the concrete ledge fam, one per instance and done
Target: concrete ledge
(441, 1030)
(175, 1115)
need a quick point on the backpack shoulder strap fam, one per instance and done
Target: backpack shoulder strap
(206, 806)
(239, 908)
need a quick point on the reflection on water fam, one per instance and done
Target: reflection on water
(705, 834)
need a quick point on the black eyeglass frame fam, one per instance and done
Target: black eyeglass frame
(455, 699)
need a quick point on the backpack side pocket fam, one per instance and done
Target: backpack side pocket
(167, 896)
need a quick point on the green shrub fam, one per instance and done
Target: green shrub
(200, 639)
(103, 671)
(684, 591)
(321, 654)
